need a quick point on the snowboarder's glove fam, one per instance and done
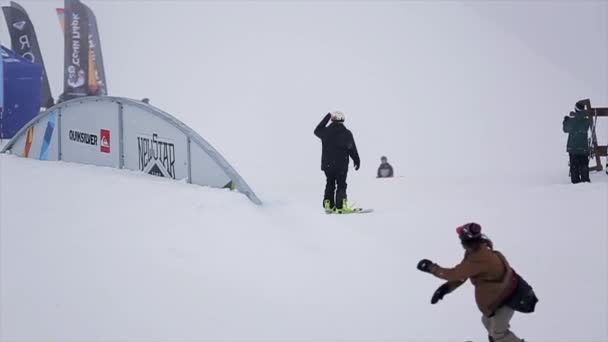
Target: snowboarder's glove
(566, 118)
(440, 292)
(356, 167)
(425, 265)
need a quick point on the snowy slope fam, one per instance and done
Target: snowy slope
(103, 254)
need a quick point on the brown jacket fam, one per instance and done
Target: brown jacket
(489, 272)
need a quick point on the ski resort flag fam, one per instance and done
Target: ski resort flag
(97, 74)
(25, 43)
(76, 51)
(97, 84)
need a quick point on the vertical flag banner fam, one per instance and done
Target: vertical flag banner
(76, 51)
(97, 73)
(25, 43)
(97, 84)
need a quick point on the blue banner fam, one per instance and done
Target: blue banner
(22, 85)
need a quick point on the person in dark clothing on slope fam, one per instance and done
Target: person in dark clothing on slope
(578, 149)
(338, 145)
(385, 170)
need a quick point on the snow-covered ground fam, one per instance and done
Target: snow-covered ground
(98, 254)
(465, 98)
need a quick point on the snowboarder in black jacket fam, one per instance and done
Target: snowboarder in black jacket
(338, 145)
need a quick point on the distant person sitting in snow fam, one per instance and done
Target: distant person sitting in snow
(385, 169)
(578, 148)
(338, 145)
(499, 290)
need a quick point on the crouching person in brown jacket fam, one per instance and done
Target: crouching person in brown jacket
(494, 281)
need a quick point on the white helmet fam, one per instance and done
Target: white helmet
(338, 116)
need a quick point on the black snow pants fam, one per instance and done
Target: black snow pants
(579, 168)
(335, 178)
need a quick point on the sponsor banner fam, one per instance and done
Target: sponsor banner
(97, 73)
(76, 50)
(154, 146)
(87, 134)
(102, 140)
(25, 43)
(156, 155)
(97, 84)
(83, 138)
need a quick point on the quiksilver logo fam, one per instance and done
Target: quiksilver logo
(85, 138)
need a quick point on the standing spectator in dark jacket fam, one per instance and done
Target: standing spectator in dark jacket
(385, 169)
(578, 143)
(338, 145)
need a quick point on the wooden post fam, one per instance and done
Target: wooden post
(592, 114)
(598, 150)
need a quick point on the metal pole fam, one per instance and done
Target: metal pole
(58, 135)
(121, 147)
(189, 161)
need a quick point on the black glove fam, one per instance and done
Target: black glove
(566, 118)
(356, 167)
(425, 265)
(440, 292)
(328, 116)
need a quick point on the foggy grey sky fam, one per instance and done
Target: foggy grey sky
(466, 80)
(571, 34)
(559, 31)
